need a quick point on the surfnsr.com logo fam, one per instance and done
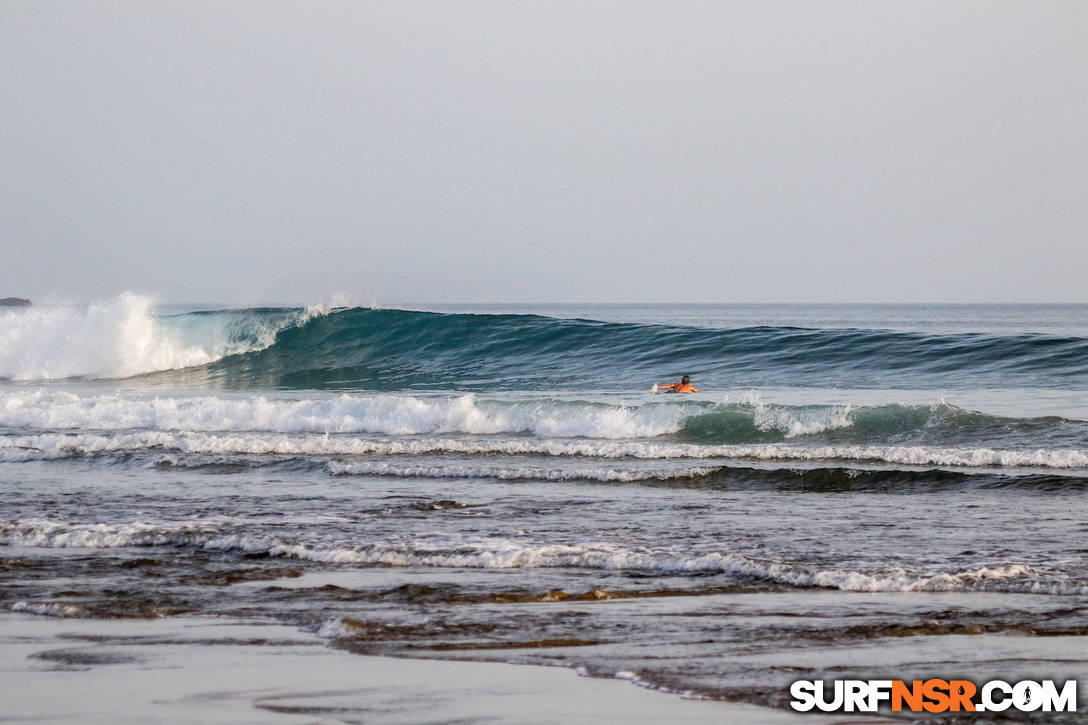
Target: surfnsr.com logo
(933, 695)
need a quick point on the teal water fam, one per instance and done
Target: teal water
(498, 483)
(359, 348)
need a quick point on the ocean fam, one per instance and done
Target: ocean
(888, 491)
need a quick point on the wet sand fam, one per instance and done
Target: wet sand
(188, 669)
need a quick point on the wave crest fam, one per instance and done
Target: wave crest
(365, 348)
(123, 337)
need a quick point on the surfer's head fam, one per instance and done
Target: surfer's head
(686, 379)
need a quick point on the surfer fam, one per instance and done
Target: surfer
(684, 386)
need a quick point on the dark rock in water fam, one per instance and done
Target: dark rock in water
(14, 302)
(77, 657)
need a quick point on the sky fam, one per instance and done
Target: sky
(489, 152)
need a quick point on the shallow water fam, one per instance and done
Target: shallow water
(856, 492)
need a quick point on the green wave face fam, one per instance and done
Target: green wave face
(398, 350)
(367, 349)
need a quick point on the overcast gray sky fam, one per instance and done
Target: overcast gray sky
(545, 151)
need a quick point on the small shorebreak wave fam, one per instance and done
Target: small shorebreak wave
(811, 468)
(498, 554)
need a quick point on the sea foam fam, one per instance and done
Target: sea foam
(122, 337)
(386, 414)
(52, 446)
(511, 554)
(415, 415)
(508, 473)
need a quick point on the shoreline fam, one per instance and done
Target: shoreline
(198, 669)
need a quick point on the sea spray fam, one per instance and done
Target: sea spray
(124, 336)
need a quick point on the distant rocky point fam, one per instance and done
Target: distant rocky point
(14, 302)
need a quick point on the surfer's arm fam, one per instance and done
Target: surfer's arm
(668, 386)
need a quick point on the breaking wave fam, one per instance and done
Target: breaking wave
(49, 425)
(691, 421)
(56, 446)
(506, 473)
(123, 337)
(363, 348)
